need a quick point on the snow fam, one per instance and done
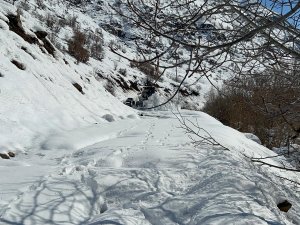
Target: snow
(144, 171)
(253, 137)
(89, 159)
(42, 97)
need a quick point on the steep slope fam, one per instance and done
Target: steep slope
(41, 91)
(61, 18)
(54, 89)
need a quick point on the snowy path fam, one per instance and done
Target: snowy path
(147, 172)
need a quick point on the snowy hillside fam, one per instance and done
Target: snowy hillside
(55, 90)
(45, 91)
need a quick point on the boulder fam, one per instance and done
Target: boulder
(4, 156)
(11, 154)
(284, 206)
(41, 34)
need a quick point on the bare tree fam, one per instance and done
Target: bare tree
(275, 94)
(265, 103)
(244, 37)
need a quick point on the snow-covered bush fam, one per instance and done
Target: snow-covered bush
(123, 71)
(95, 43)
(109, 86)
(40, 4)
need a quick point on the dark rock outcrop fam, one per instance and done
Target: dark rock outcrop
(78, 87)
(4, 156)
(11, 154)
(47, 45)
(15, 25)
(284, 206)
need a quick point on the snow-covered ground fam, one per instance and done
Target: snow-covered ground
(83, 157)
(42, 97)
(144, 171)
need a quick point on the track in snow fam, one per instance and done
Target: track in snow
(150, 173)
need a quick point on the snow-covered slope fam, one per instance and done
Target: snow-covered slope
(44, 94)
(42, 90)
(146, 172)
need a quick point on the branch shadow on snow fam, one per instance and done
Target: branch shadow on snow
(220, 193)
(103, 222)
(56, 201)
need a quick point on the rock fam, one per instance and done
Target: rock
(4, 156)
(11, 154)
(41, 34)
(47, 44)
(78, 87)
(15, 25)
(284, 206)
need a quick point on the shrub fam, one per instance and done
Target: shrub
(110, 88)
(71, 21)
(36, 14)
(24, 5)
(232, 108)
(40, 4)
(53, 23)
(264, 105)
(95, 42)
(76, 47)
(123, 72)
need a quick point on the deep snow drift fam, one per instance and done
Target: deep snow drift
(145, 171)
